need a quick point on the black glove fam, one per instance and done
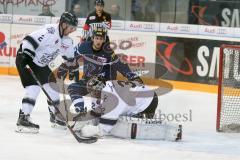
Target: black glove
(24, 59)
(70, 66)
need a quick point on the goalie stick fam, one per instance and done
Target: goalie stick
(77, 137)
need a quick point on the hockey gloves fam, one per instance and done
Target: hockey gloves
(70, 66)
(23, 58)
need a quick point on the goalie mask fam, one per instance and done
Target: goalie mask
(95, 86)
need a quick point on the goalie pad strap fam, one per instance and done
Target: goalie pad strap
(107, 121)
(134, 131)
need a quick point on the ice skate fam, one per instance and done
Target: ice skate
(56, 122)
(24, 124)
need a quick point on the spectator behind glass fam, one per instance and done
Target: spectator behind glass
(150, 11)
(77, 11)
(136, 10)
(115, 9)
(46, 11)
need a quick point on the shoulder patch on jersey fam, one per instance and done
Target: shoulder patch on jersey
(51, 30)
(113, 55)
(92, 17)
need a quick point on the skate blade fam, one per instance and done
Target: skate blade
(22, 129)
(57, 126)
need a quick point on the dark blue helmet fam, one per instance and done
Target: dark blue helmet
(99, 2)
(69, 18)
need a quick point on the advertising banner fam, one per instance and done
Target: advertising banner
(27, 19)
(6, 51)
(217, 13)
(178, 28)
(216, 31)
(141, 26)
(138, 48)
(32, 7)
(118, 25)
(6, 18)
(190, 60)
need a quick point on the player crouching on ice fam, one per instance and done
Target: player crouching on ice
(126, 110)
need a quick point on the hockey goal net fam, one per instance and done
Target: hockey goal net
(228, 111)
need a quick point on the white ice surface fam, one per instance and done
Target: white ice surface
(200, 140)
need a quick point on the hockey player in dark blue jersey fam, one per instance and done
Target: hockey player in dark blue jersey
(98, 60)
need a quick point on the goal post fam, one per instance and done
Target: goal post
(228, 104)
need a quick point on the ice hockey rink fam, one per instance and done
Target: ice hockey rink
(200, 140)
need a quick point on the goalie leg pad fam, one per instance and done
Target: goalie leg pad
(148, 129)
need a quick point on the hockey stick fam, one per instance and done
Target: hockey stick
(64, 100)
(79, 139)
(97, 62)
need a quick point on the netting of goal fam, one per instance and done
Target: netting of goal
(228, 112)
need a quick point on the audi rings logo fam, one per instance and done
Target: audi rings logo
(148, 26)
(3, 44)
(6, 18)
(221, 31)
(185, 28)
(40, 20)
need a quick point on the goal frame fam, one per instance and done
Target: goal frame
(220, 80)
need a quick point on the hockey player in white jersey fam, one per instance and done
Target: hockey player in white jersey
(126, 110)
(37, 50)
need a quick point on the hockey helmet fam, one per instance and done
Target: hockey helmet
(99, 31)
(99, 2)
(69, 18)
(95, 86)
